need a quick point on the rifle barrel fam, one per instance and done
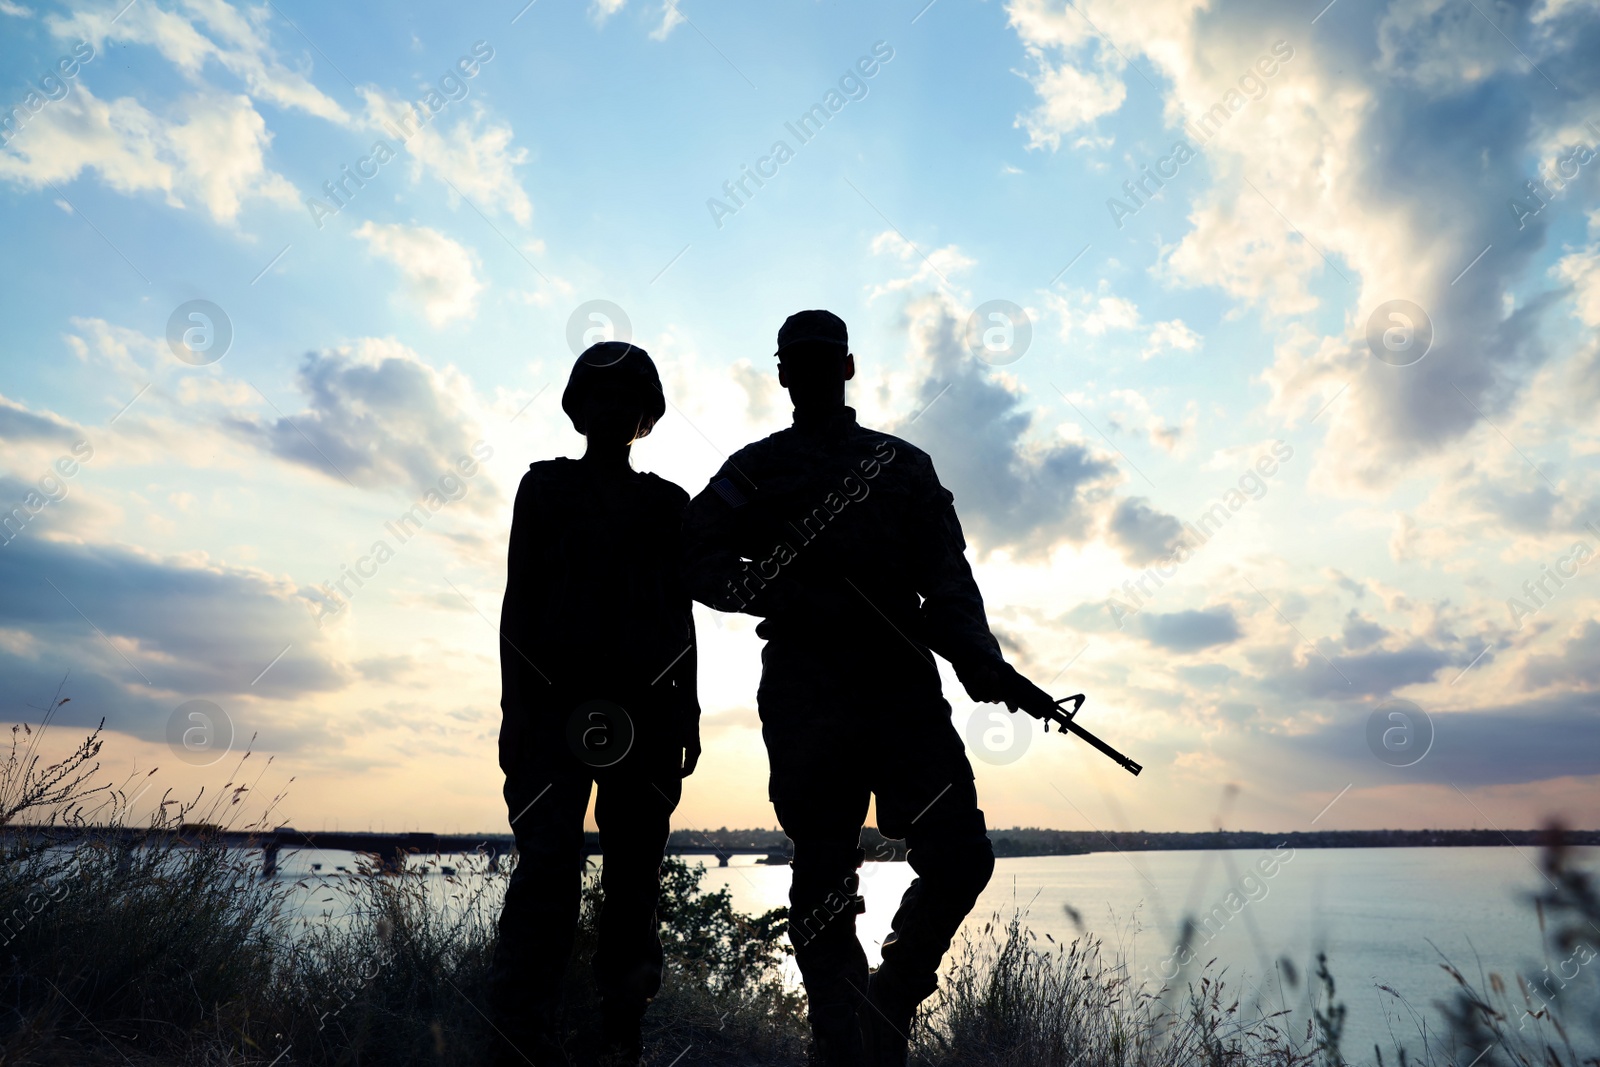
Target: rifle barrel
(1123, 761)
(1065, 721)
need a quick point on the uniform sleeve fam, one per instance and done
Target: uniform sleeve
(713, 566)
(685, 682)
(953, 621)
(520, 677)
(684, 674)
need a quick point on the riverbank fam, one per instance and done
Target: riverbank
(183, 955)
(169, 948)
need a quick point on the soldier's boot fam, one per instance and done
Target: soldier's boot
(536, 1040)
(824, 903)
(621, 1041)
(886, 1020)
(627, 961)
(836, 1038)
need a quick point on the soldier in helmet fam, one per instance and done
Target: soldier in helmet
(597, 667)
(841, 539)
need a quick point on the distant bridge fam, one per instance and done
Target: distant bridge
(390, 849)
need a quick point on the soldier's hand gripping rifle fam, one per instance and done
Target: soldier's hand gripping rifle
(1041, 705)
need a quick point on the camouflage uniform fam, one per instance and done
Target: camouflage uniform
(842, 539)
(594, 609)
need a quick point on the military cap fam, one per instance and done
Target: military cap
(813, 327)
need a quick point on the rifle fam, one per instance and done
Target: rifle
(1041, 705)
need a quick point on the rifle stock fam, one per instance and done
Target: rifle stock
(1041, 705)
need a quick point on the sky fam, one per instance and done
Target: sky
(1256, 341)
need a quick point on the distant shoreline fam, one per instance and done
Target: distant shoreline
(1017, 843)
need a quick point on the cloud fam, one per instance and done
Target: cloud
(237, 41)
(1013, 493)
(380, 416)
(387, 669)
(1105, 314)
(1173, 440)
(928, 270)
(1071, 97)
(1350, 178)
(1142, 533)
(761, 390)
(1017, 486)
(1090, 616)
(478, 163)
(220, 155)
(1081, 311)
(1435, 46)
(1189, 631)
(1170, 336)
(1577, 664)
(1581, 270)
(671, 18)
(1110, 313)
(19, 423)
(1359, 632)
(1484, 494)
(212, 152)
(438, 272)
(140, 633)
(474, 155)
(1530, 741)
(1328, 674)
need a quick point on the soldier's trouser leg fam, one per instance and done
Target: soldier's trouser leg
(825, 825)
(948, 846)
(633, 810)
(929, 801)
(539, 921)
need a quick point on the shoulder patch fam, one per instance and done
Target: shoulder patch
(729, 492)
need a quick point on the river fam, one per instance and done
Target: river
(1384, 916)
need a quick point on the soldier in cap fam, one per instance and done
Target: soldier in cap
(841, 539)
(597, 664)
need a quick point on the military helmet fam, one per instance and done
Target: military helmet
(614, 363)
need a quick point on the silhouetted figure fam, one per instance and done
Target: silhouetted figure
(842, 539)
(597, 665)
